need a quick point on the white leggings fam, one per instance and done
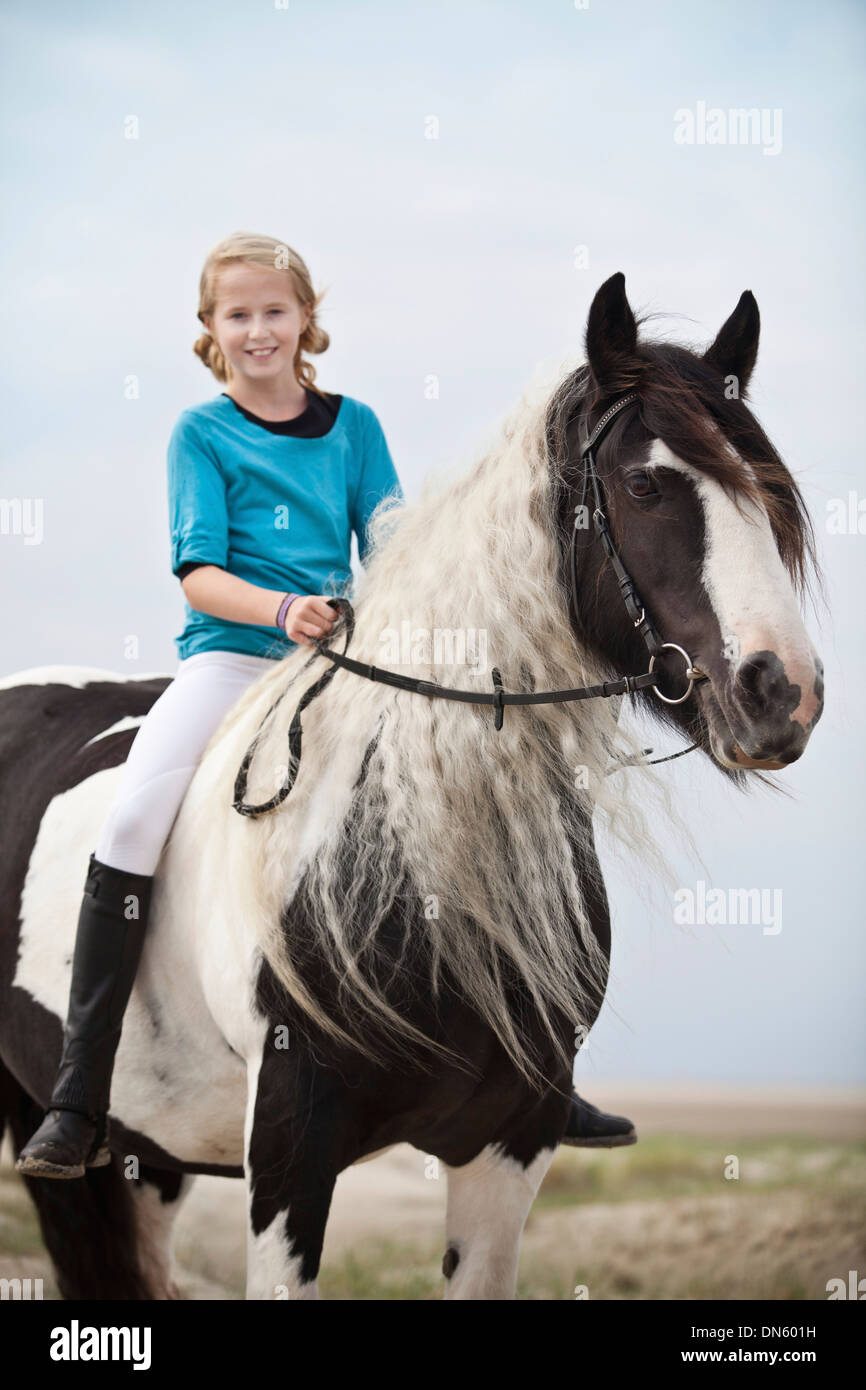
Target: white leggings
(165, 753)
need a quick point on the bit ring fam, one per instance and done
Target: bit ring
(691, 671)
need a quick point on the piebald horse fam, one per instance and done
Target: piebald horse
(405, 949)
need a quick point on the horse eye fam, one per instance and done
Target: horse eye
(641, 485)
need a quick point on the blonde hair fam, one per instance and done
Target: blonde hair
(270, 254)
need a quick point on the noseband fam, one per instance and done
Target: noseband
(499, 697)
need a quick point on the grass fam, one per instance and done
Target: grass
(662, 1166)
(388, 1271)
(657, 1220)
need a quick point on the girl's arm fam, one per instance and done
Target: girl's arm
(213, 590)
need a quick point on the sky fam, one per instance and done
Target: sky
(461, 177)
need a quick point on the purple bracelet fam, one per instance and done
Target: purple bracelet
(283, 610)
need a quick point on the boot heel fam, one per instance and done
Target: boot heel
(101, 1153)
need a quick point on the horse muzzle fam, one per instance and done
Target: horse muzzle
(766, 710)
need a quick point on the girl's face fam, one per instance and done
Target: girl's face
(257, 322)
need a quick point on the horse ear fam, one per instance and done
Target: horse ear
(611, 338)
(736, 347)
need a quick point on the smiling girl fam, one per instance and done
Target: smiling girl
(266, 482)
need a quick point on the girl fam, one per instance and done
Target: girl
(266, 483)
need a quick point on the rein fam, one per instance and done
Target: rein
(498, 697)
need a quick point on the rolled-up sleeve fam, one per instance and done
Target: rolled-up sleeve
(378, 479)
(198, 514)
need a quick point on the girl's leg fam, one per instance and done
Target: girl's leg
(165, 753)
(114, 910)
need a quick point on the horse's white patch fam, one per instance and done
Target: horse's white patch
(273, 1272)
(154, 1220)
(488, 1203)
(76, 676)
(746, 582)
(131, 722)
(53, 888)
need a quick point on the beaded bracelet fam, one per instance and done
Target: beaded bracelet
(283, 610)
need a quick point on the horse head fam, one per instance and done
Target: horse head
(707, 521)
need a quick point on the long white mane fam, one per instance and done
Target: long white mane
(487, 833)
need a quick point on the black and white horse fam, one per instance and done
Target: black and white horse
(405, 949)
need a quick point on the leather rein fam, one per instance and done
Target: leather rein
(498, 697)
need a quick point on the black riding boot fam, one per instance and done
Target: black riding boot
(111, 928)
(590, 1128)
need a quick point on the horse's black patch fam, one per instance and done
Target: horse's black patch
(168, 1185)
(450, 1261)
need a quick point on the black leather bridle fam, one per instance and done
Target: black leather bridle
(633, 605)
(498, 697)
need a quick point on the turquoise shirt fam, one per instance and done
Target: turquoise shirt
(276, 510)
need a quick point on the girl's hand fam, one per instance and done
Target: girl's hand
(309, 617)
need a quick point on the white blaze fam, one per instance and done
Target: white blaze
(747, 584)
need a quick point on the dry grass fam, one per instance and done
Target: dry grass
(655, 1221)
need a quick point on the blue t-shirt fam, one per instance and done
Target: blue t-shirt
(275, 510)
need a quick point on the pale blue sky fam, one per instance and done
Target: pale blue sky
(455, 257)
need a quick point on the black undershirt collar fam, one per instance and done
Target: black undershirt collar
(312, 423)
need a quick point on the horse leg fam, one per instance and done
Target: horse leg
(157, 1197)
(291, 1171)
(488, 1202)
(88, 1224)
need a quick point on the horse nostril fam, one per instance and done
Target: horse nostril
(747, 681)
(760, 678)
